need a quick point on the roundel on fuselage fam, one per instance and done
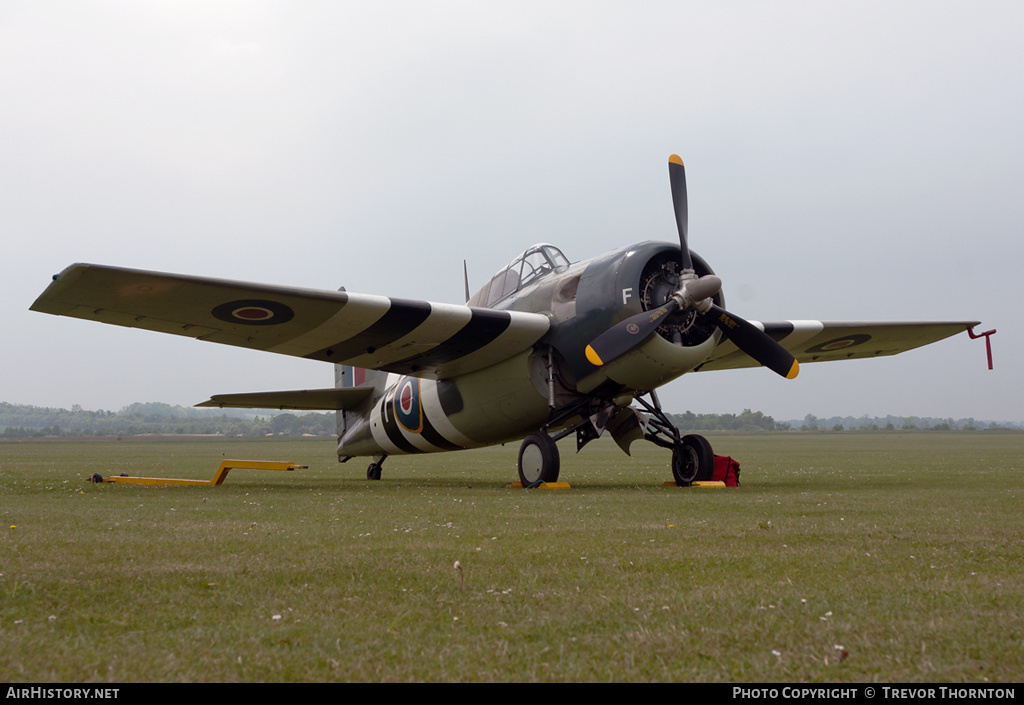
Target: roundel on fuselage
(406, 404)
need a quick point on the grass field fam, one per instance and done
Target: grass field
(842, 557)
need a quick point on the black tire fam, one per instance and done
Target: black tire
(706, 466)
(373, 472)
(692, 460)
(684, 464)
(538, 460)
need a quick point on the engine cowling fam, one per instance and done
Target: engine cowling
(624, 283)
(658, 281)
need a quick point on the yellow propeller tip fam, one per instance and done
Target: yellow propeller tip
(794, 370)
(593, 357)
(675, 159)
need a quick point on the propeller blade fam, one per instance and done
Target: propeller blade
(627, 334)
(677, 178)
(754, 342)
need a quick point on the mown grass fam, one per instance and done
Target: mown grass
(902, 550)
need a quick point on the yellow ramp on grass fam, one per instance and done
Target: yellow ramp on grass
(218, 477)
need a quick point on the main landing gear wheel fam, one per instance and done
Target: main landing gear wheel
(538, 460)
(692, 460)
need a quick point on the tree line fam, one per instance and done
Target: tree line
(746, 420)
(898, 423)
(22, 421)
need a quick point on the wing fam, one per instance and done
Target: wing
(817, 341)
(376, 332)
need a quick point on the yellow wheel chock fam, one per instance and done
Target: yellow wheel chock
(218, 477)
(696, 483)
(542, 486)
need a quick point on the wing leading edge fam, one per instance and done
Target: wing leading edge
(820, 341)
(409, 337)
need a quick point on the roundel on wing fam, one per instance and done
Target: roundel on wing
(407, 405)
(254, 312)
(840, 343)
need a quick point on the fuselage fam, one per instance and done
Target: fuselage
(517, 396)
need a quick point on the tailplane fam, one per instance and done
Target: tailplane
(333, 399)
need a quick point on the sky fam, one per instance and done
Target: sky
(845, 161)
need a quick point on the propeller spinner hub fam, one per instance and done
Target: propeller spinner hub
(697, 292)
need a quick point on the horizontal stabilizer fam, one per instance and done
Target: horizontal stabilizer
(299, 399)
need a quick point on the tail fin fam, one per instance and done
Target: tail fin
(348, 377)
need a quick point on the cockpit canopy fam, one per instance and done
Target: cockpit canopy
(524, 269)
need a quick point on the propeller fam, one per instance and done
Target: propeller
(694, 294)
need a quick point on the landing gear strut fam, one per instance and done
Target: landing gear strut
(692, 456)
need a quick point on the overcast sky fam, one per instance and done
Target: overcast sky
(845, 161)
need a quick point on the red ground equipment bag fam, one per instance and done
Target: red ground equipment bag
(727, 470)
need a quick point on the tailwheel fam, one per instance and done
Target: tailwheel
(692, 459)
(373, 472)
(538, 460)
